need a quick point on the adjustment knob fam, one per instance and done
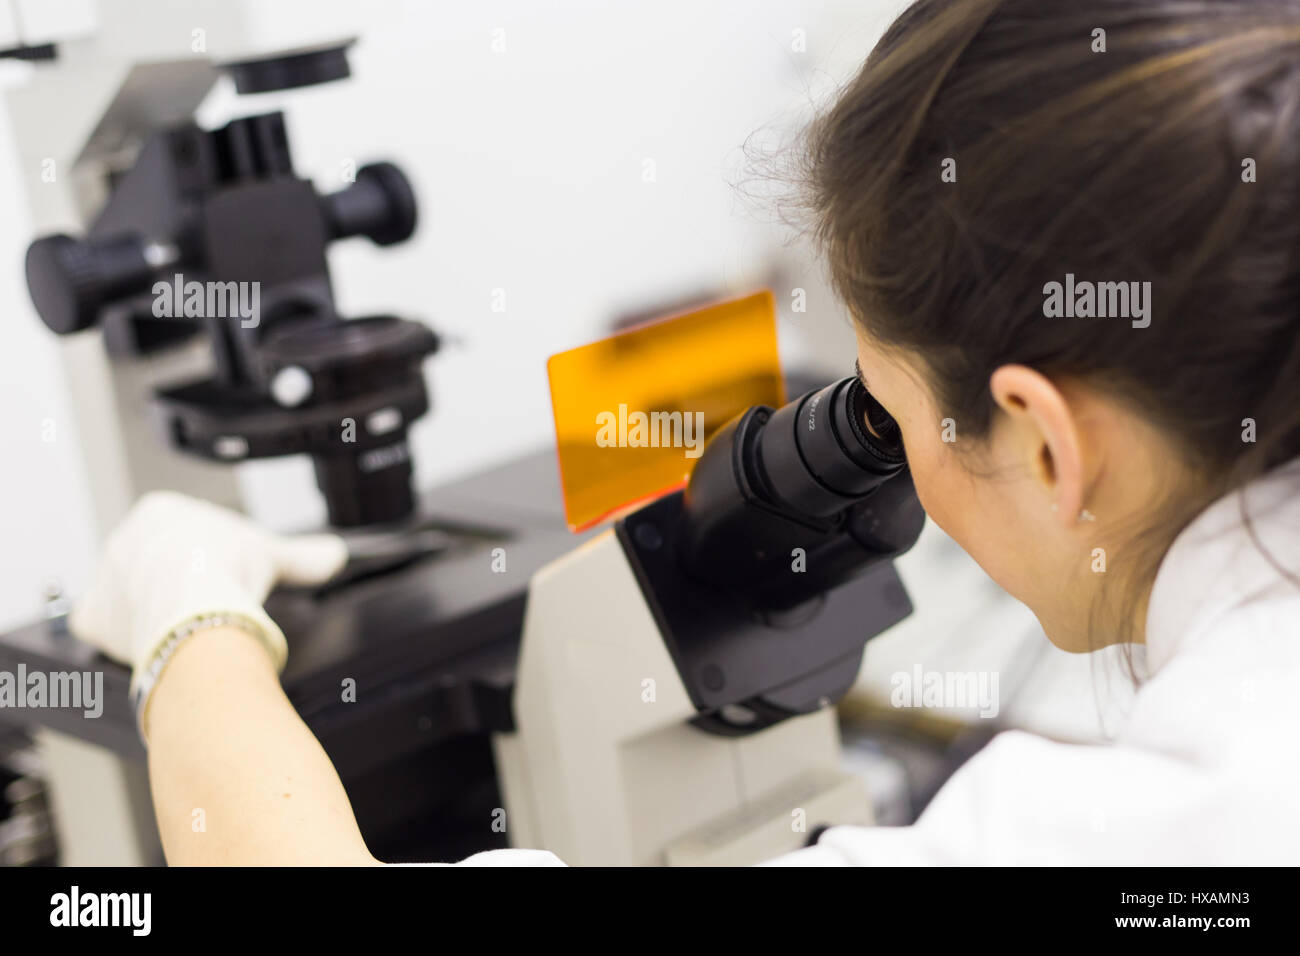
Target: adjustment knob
(380, 205)
(70, 280)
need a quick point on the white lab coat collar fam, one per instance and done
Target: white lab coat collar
(1214, 565)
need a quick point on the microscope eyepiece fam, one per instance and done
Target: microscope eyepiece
(821, 482)
(824, 451)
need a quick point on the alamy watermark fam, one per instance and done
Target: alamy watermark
(177, 299)
(133, 911)
(1101, 300)
(625, 429)
(946, 690)
(56, 690)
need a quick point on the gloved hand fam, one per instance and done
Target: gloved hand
(173, 559)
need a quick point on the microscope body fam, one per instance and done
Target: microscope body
(677, 674)
(607, 767)
(211, 234)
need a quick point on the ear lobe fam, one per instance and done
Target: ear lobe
(1051, 444)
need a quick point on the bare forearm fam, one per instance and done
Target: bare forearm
(237, 777)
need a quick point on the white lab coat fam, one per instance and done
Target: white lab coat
(1206, 770)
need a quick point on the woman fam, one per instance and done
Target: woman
(1069, 234)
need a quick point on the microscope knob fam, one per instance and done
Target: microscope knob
(70, 280)
(380, 205)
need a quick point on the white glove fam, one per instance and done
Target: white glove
(174, 558)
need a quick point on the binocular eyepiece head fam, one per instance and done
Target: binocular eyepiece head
(824, 476)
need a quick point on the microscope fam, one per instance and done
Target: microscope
(674, 692)
(210, 233)
(184, 269)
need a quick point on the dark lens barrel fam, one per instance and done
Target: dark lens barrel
(823, 477)
(830, 448)
(372, 486)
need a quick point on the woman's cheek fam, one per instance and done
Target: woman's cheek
(932, 474)
(920, 461)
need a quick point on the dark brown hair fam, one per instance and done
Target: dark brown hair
(1124, 165)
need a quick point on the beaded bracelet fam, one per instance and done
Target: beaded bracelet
(150, 673)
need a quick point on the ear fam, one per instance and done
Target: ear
(1049, 435)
